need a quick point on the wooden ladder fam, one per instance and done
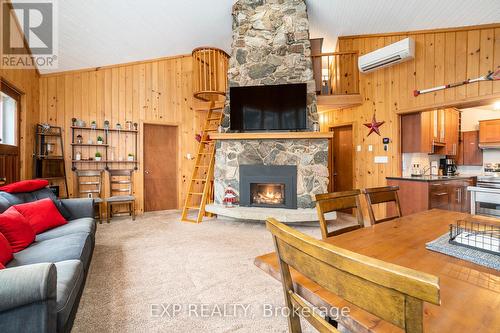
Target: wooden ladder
(200, 188)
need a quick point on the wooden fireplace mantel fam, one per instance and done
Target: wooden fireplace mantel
(271, 135)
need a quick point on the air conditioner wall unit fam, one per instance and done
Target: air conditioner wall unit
(389, 55)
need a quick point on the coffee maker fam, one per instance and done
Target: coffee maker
(448, 166)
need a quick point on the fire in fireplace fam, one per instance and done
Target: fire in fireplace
(267, 194)
(273, 186)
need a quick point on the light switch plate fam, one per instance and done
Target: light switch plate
(370, 147)
(358, 148)
(381, 159)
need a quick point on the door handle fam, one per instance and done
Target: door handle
(146, 172)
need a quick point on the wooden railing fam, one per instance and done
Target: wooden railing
(336, 73)
(209, 73)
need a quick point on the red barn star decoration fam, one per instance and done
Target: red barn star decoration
(374, 126)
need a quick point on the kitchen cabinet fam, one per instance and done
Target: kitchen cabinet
(459, 196)
(439, 195)
(430, 132)
(416, 133)
(452, 120)
(489, 132)
(416, 195)
(469, 152)
(438, 126)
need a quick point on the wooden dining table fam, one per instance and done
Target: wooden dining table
(470, 293)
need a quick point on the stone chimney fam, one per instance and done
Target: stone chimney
(271, 46)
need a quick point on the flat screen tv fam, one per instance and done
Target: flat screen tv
(269, 108)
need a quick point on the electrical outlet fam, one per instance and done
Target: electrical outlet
(358, 148)
(370, 147)
(381, 159)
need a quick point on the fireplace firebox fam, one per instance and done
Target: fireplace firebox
(273, 186)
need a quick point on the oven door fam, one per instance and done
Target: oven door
(488, 208)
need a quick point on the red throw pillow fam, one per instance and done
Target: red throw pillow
(5, 250)
(16, 229)
(2, 267)
(42, 215)
(25, 186)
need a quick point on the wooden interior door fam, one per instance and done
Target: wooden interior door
(10, 104)
(160, 167)
(342, 171)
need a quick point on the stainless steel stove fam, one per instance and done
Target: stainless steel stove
(490, 180)
(491, 177)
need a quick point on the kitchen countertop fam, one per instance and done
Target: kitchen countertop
(432, 178)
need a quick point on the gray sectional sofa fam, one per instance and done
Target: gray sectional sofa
(41, 287)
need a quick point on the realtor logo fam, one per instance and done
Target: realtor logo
(29, 34)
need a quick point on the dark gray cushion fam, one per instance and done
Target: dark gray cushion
(23, 197)
(85, 225)
(75, 246)
(69, 281)
(79, 207)
(120, 198)
(4, 204)
(10, 199)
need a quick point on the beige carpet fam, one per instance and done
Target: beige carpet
(137, 266)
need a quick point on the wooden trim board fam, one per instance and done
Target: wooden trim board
(271, 136)
(125, 64)
(460, 104)
(425, 31)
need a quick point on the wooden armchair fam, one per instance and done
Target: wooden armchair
(393, 293)
(120, 191)
(330, 202)
(378, 195)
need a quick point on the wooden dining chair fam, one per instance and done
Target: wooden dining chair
(331, 202)
(390, 292)
(379, 195)
(89, 185)
(120, 190)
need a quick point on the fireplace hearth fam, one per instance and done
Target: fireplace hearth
(273, 186)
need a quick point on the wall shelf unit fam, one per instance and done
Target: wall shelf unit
(104, 149)
(48, 159)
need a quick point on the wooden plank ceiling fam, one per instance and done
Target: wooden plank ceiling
(96, 33)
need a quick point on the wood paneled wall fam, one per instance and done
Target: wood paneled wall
(158, 91)
(25, 81)
(442, 57)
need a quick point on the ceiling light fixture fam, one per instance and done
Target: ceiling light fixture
(496, 105)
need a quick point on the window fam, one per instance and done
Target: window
(8, 117)
(9, 133)
(9, 106)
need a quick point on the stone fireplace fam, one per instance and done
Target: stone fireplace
(307, 159)
(273, 186)
(278, 174)
(271, 46)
